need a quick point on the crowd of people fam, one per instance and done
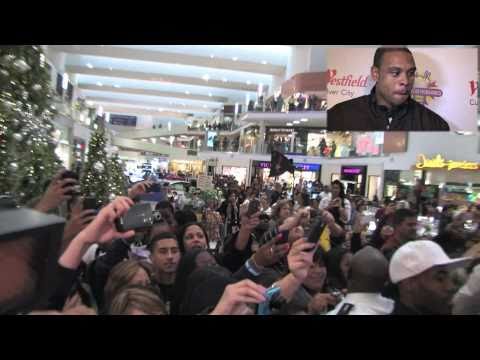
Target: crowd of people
(262, 249)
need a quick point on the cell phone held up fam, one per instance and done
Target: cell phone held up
(76, 188)
(139, 216)
(253, 207)
(154, 188)
(90, 203)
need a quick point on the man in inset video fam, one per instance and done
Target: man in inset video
(389, 105)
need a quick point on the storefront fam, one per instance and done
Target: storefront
(354, 178)
(308, 172)
(249, 139)
(239, 173)
(64, 147)
(448, 181)
(315, 142)
(186, 167)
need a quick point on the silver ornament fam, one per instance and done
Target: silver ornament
(25, 97)
(98, 166)
(4, 73)
(8, 58)
(18, 137)
(8, 104)
(29, 142)
(112, 197)
(15, 122)
(21, 65)
(42, 168)
(13, 166)
(22, 194)
(37, 87)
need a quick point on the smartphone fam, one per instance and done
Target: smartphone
(253, 207)
(76, 188)
(90, 203)
(139, 216)
(154, 188)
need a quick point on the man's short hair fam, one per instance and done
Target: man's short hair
(401, 215)
(161, 236)
(378, 57)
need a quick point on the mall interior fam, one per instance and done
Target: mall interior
(214, 109)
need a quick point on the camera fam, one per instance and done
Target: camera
(140, 216)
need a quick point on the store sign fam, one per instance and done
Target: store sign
(307, 167)
(205, 182)
(298, 166)
(439, 163)
(263, 165)
(274, 130)
(352, 171)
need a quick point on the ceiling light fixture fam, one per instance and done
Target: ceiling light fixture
(235, 58)
(116, 86)
(210, 94)
(224, 80)
(99, 84)
(187, 92)
(296, 122)
(264, 62)
(304, 120)
(206, 77)
(289, 124)
(212, 56)
(248, 82)
(90, 66)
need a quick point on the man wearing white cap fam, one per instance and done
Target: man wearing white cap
(421, 271)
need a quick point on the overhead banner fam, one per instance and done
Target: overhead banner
(446, 80)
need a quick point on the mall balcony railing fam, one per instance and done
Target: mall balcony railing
(266, 149)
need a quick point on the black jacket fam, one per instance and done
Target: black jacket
(401, 309)
(364, 114)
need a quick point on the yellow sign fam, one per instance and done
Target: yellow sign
(440, 163)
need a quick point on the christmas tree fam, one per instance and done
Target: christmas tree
(118, 180)
(27, 145)
(94, 182)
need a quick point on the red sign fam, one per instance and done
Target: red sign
(346, 80)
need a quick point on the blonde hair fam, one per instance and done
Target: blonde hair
(139, 298)
(122, 274)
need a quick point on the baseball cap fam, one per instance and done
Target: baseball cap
(415, 257)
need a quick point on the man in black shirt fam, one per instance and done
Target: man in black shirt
(165, 256)
(389, 105)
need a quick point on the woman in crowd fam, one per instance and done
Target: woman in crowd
(265, 205)
(338, 264)
(230, 212)
(136, 300)
(129, 272)
(281, 211)
(192, 235)
(212, 222)
(315, 295)
(339, 206)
